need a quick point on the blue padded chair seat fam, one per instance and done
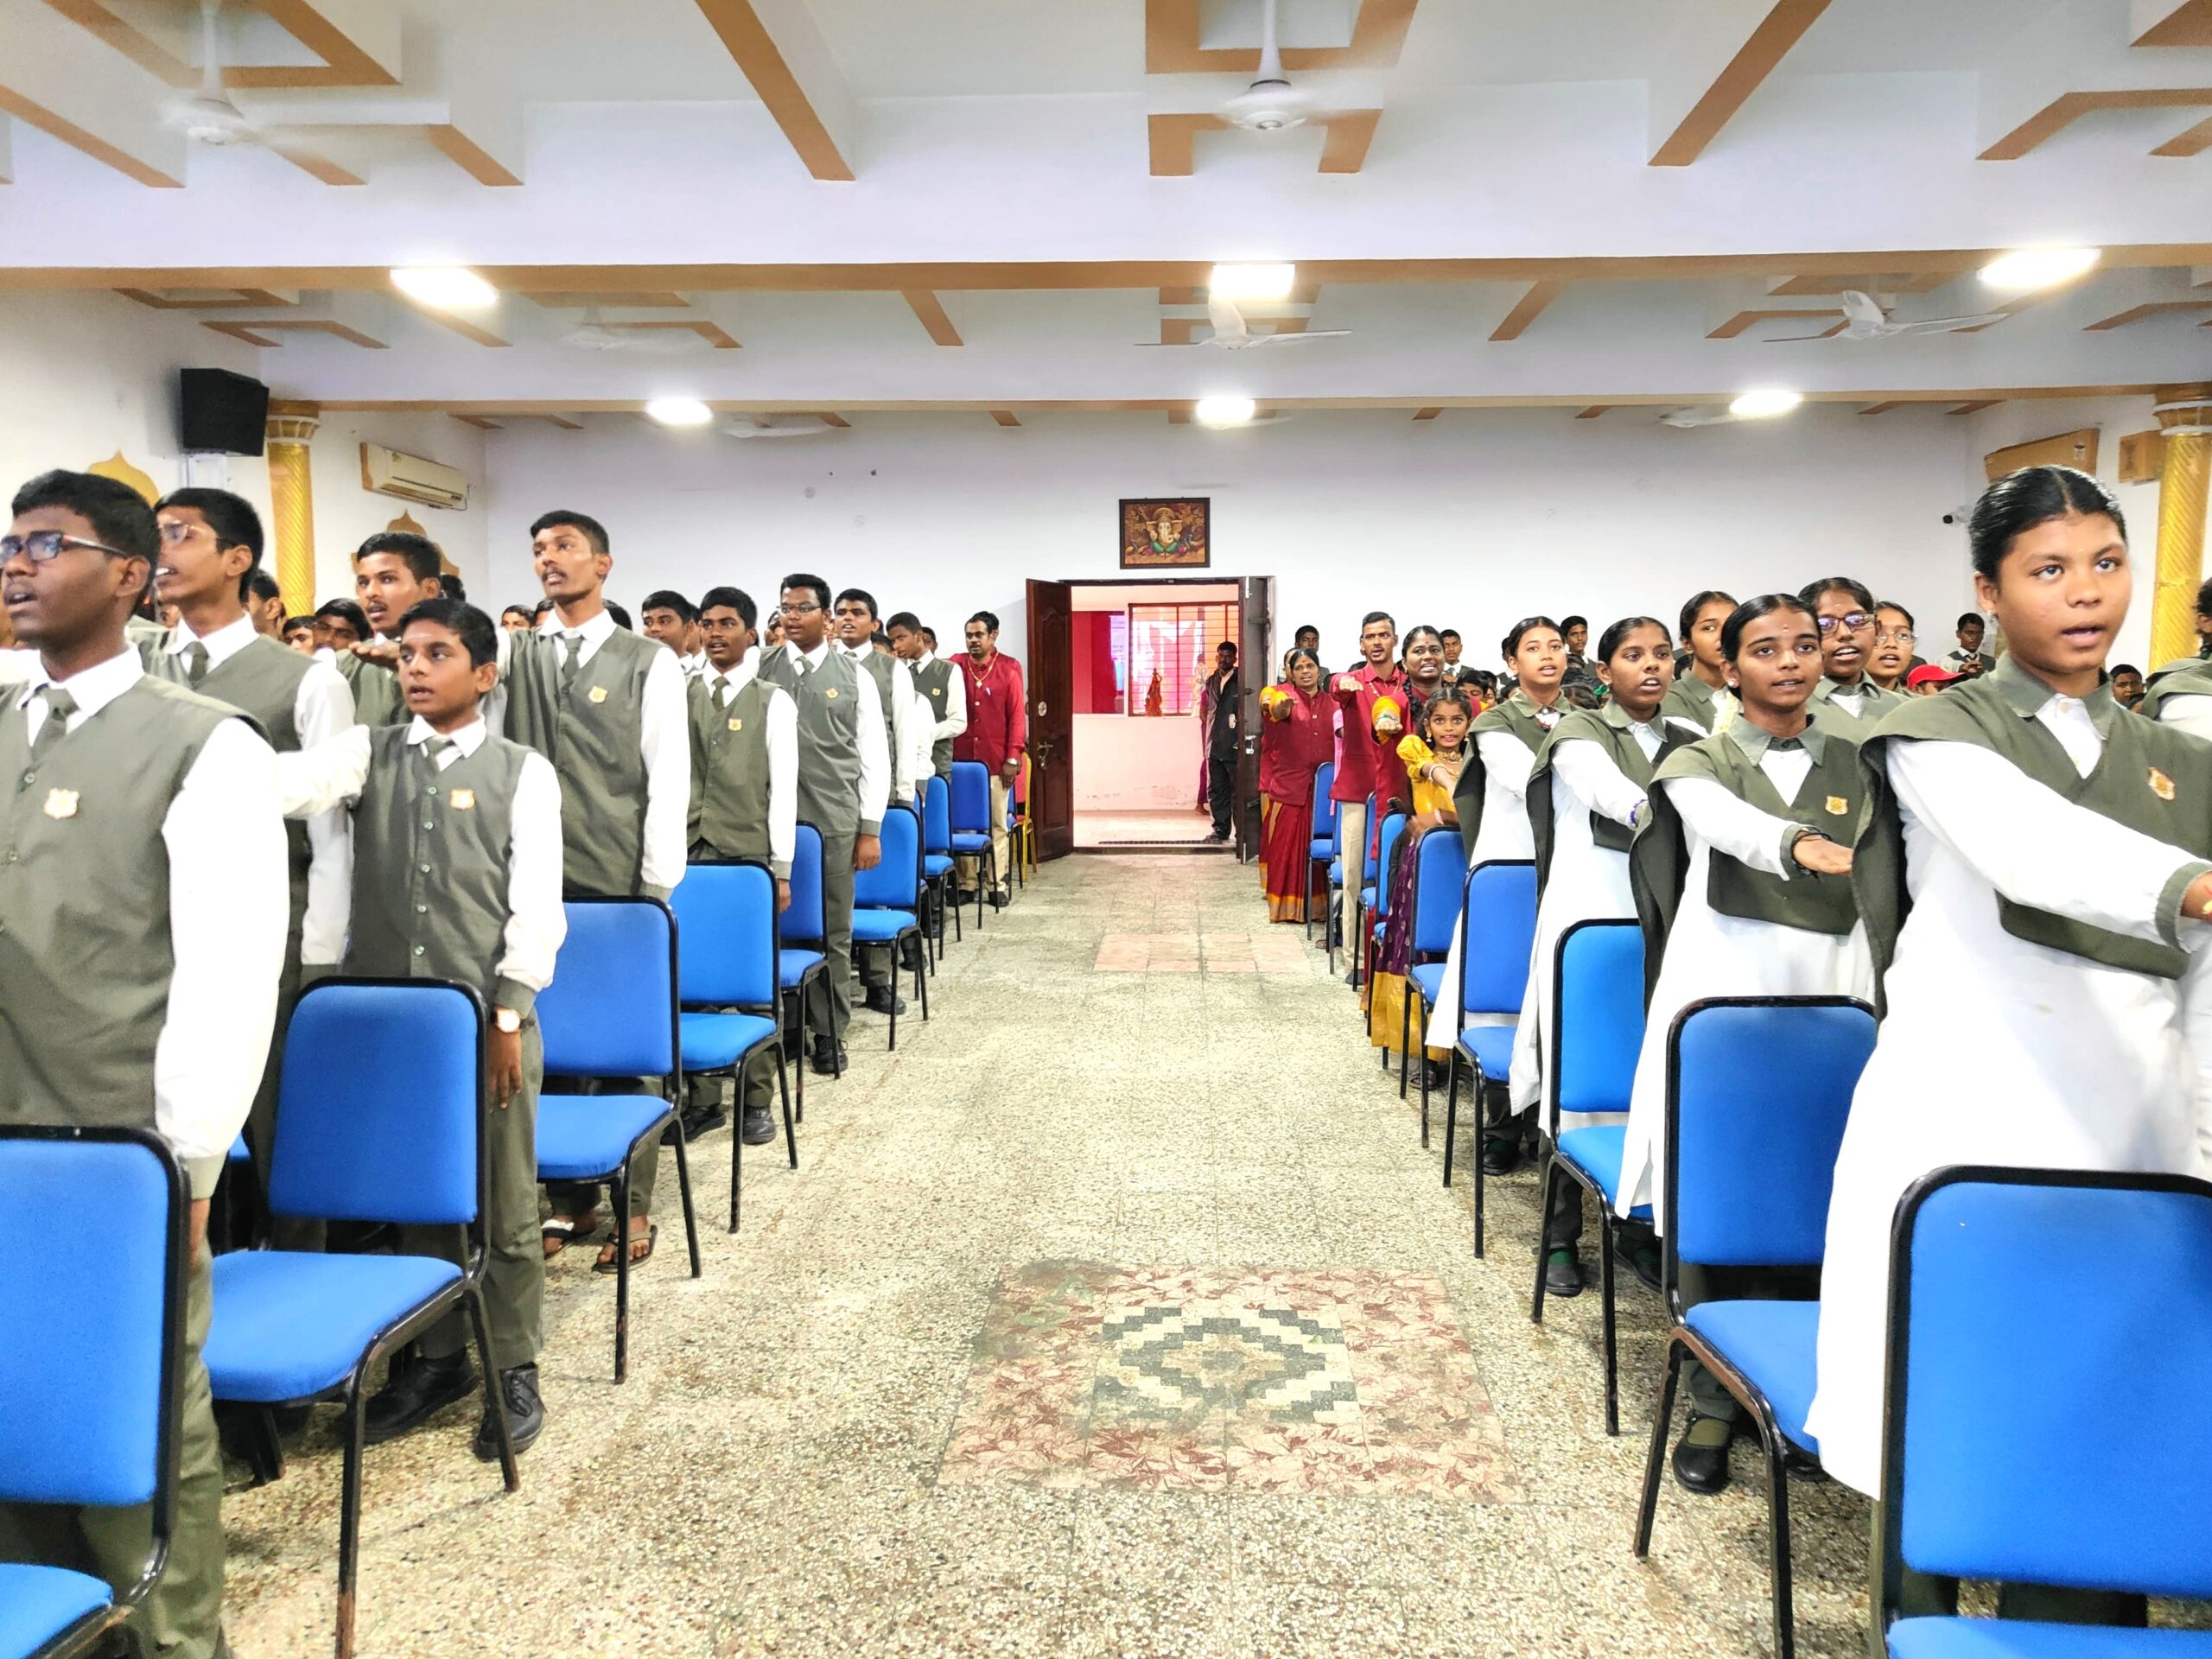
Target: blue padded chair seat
(1489, 1047)
(289, 1323)
(1323, 847)
(791, 966)
(1367, 897)
(967, 842)
(1770, 1342)
(1599, 1153)
(2020, 1638)
(880, 926)
(1335, 872)
(581, 1137)
(1429, 979)
(936, 864)
(711, 1041)
(39, 1603)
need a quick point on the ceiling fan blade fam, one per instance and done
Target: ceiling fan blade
(1786, 340)
(1300, 338)
(1947, 325)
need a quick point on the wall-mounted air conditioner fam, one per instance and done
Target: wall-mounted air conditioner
(386, 472)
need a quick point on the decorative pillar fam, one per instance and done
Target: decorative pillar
(291, 500)
(2185, 412)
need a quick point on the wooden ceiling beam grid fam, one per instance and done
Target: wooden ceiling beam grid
(1530, 306)
(779, 50)
(1173, 34)
(929, 311)
(1780, 25)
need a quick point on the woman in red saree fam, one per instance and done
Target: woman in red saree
(1295, 739)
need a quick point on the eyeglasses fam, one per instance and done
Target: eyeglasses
(799, 610)
(1853, 621)
(1894, 636)
(44, 546)
(177, 531)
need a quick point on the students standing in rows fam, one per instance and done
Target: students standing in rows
(744, 800)
(997, 734)
(844, 784)
(1848, 701)
(456, 875)
(1740, 870)
(607, 708)
(393, 572)
(669, 619)
(211, 542)
(941, 688)
(142, 932)
(853, 622)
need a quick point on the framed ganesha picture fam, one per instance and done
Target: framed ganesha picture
(1167, 535)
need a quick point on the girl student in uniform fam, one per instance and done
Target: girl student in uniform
(1584, 791)
(1741, 874)
(1700, 694)
(1432, 753)
(2033, 874)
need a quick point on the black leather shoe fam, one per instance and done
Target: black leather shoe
(1702, 1455)
(881, 999)
(829, 1057)
(758, 1128)
(966, 896)
(703, 1120)
(525, 1414)
(1501, 1153)
(909, 954)
(1562, 1273)
(1436, 1073)
(1639, 1253)
(422, 1387)
(1001, 901)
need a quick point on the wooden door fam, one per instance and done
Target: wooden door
(1050, 686)
(1255, 668)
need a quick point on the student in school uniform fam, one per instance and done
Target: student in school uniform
(1700, 695)
(2179, 692)
(1848, 701)
(1585, 786)
(844, 784)
(393, 572)
(142, 933)
(457, 876)
(211, 543)
(939, 685)
(997, 733)
(340, 624)
(1970, 659)
(1739, 871)
(1491, 798)
(854, 625)
(2020, 827)
(1891, 659)
(265, 603)
(669, 619)
(608, 708)
(744, 800)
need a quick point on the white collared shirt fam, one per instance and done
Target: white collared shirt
(331, 777)
(875, 750)
(903, 715)
(229, 910)
(955, 720)
(322, 707)
(783, 753)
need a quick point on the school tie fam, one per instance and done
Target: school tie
(195, 663)
(722, 695)
(573, 643)
(435, 750)
(59, 705)
(1783, 745)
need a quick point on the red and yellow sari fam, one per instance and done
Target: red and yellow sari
(1290, 751)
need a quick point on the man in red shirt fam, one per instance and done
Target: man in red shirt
(998, 732)
(1362, 755)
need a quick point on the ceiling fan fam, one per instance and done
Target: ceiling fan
(593, 335)
(1270, 103)
(209, 116)
(1864, 318)
(1231, 332)
(1683, 420)
(764, 426)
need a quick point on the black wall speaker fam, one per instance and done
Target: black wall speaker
(223, 413)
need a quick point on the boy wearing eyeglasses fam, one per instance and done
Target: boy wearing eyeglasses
(143, 914)
(1846, 701)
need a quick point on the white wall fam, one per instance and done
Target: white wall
(345, 513)
(1124, 765)
(1470, 521)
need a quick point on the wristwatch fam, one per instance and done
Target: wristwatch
(506, 1019)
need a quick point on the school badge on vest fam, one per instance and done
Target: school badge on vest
(831, 692)
(60, 803)
(737, 725)
(461, 800)
(1838, 806)
(599, 694)
(2161, 786)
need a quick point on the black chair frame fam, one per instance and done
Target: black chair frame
(899, 939)
(735, 1069)
(794, 1015)
(1478, 1082)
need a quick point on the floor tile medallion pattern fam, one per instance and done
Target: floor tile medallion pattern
(1095, 1376)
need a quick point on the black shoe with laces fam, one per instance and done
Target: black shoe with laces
(525, 1414)
(881, 999)
(758, 1128)
(829, 1057)
(415, 1391)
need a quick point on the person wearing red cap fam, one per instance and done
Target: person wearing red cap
(1928, 679)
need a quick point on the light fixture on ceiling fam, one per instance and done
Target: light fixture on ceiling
(1252, 282)
(209, 116)
(1757, 405)
(1270, 103)
(1226, 411)
(2033, 267)
(448, 288)
(678, 411)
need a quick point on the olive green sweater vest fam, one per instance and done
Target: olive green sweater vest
(593, 735)
(1608, 727)
(934, 682)
(729, 773)
(1516, 715)
(829, 737)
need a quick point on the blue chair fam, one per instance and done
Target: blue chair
(1326, 839)
(969, 819)
(2018, 1298)
(91, 1396)
(397, 1134)
(1375, 899)
(611, 1012)
(1499, 908)
(937, 857)
(1440, 881)
(1597, 1010)
(887, 902)
(801, 963)
(1747, 1173)
(1337, 885)
(726, 956)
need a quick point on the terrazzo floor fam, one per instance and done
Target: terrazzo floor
(1121, 1312)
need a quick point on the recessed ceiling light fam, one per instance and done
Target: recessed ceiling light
(447, 287)
(1253, 282)
(678, 411)
(1225, 411)
(1757, 405)
(2032, 268)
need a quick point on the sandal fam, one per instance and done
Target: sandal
(556, 1233)
(613, 1263)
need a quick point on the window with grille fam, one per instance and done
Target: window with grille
(1174, 646)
